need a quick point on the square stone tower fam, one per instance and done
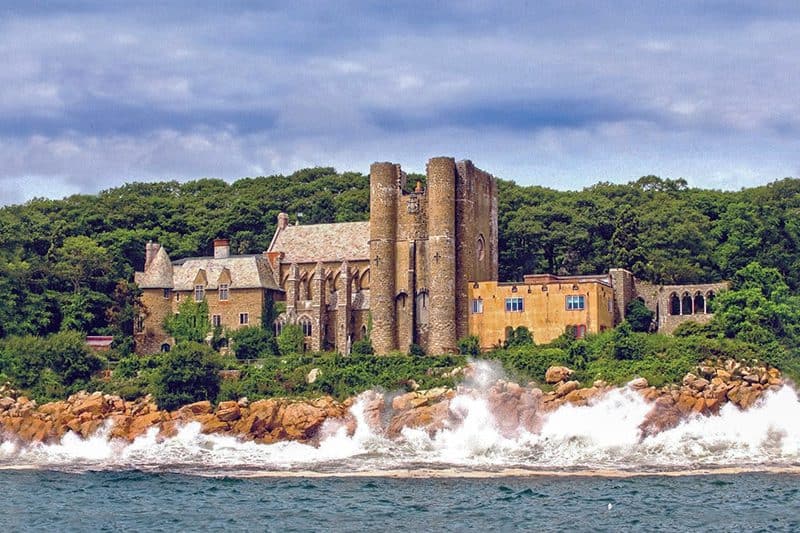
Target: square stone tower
(426, 247)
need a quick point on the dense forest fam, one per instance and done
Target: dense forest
(68, 264)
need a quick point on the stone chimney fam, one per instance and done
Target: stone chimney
(222, 248)
(150, 251)
(283, 221)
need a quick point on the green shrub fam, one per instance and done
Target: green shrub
(362, 347)
(470, 346)
(188, 373)
(291, 339)
(416, 350)
(639, 316)
(253, 342)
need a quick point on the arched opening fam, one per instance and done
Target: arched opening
(364, 282)
(509, 333)
(363, 331)
(302, 288)
(335, 283)
(278, 325)
(686, 304)
(674, 304)
(422, 308)
(710, 301)
(305, 323)
(311, 280)
(480, 248)
(354, 283)
(699, 304)
(165, 347)
(400, 301)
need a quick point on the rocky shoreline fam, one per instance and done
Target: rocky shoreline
(515, 407)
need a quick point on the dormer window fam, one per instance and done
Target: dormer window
(199, 293)
(223, 292)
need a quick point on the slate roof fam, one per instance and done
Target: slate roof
(323, 242)
(246, 271)
(158, 275)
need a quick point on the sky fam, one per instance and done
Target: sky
(556, 93)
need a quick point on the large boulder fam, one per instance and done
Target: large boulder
(556, 374)
(301, 420)
(229, 411)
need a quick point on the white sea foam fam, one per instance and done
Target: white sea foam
(603, 435)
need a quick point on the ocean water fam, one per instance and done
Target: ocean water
(585, 468)
(149, 501)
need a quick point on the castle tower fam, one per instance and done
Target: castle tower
(441, 254)
(382, 248)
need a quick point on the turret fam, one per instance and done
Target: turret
(441, 191)
(383, 185)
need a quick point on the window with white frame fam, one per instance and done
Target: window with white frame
(477, 305)
(223, 292)
(199, 293)
(244, 319)
(216, 321)
(576, 302)
(514, 304)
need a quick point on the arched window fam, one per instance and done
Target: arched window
(364, 331)
(422, 308)
(311, 280)
(400, 301)
(710, 301)
(699, 304)
(305, 323)
(480, 248)
(674, 304)
(686, 304)
(165, 347)
(278, 324)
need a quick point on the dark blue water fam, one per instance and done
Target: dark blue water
(137, 501)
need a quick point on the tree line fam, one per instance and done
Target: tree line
(67, 265)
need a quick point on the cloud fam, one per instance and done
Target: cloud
(545, 92)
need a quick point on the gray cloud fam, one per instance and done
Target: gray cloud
(549, 92)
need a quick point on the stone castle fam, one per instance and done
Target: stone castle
(423, 270)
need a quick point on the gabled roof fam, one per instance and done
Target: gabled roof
(244, 271)
(158, 274)
(323, 242)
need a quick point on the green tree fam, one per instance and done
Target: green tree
(291, 340)
(627, 344)
(639, 316)
(191, 323)
(253, 342)
(759, 308)
(189, 373)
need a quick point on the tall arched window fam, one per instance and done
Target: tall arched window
(278, 324)
(699, 304)
(674, 304)
(686, 304)
(480, 248)
(422, 308)
(305, 323)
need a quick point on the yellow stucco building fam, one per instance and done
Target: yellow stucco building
(544, 303)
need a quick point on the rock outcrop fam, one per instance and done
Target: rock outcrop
(514, 407)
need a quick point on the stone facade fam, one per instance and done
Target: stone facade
(236, 289)
(543, 308)
(672, 304)
(411, 275)
(400, 278)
